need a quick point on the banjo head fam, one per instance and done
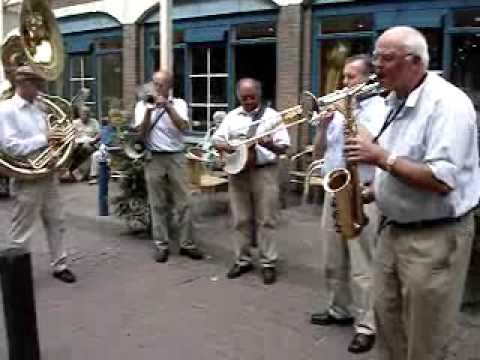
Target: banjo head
(236, 161)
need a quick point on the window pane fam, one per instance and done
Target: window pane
(199, 90)
(467, 18)
(342, 24)
(179, 72)
(333, 55)
(435, 47)
(218, 90)
(76, 66)
(178, 36)
(253, 31)
(110, 43)
(199, 60)
(110, 66)
(465, 60)
(218, 60)
(199, 118)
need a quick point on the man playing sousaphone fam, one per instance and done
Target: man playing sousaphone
(349, 261)
(254, 190)
(23, 131)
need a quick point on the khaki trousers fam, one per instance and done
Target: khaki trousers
(419, 280)
(348, 268)
(254, 201)
(37, 203)
(169, 199)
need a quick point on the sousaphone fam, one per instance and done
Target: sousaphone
(38, 43)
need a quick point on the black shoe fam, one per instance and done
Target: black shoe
(326, 319)
(269, 275)
(361, 343)
(192, 253)
(238, 270)
(161, 255)
(65, 275)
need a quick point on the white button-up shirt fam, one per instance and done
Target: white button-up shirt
(164, 136)
(236, 126)
(23, 127)
(437, 126)
(369, 113)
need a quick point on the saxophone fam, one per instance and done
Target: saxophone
(344, 183)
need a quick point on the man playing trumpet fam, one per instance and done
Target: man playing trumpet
(347, 263)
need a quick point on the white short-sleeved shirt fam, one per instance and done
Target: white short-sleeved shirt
(23, 127)
(235, 125)
(369, 113)
(165, 136)
(437, 126)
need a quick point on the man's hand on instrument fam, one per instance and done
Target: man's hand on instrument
(160, 101)
(54, 137)
(266, 141)
(224, 147)
(368, 195)
(359, 150)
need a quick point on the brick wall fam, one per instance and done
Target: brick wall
(303, 135)
(289, 39)
(130, 65)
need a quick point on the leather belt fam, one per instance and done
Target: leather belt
(425, 224)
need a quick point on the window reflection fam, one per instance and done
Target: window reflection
(465, 60)
(344, 24)
(333, 56)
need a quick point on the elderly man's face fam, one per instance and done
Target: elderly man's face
(84, 115)
(248, 97)
(354, 73)
(393, 64)
(161, 84)
(30, 88)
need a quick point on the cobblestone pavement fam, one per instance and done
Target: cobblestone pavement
(125, 306)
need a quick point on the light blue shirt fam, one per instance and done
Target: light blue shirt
(437, 126)
(369, 113)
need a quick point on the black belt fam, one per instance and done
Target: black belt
(424, 224)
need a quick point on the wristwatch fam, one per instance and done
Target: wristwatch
(390, 162)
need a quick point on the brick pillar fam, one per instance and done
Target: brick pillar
(289, 61)
(303, 131)
(130, 68)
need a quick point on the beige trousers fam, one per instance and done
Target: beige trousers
(169, 199)
(37, 203)
(419, 281)
(348, 268)
(254, 199)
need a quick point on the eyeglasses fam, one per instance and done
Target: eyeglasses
(388, 58)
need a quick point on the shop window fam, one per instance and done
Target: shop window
(465, 60)
(333, 56)
(208, 84)
(435, 47)
(255, 31)
(467, 18)
(82, 76)
(346, 24)
(113, 43)
(110, 73)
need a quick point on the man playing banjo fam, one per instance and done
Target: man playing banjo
(253, 191)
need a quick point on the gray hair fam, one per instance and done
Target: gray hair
(255, 83)
(414, 42)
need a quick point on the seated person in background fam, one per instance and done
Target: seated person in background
(105, 137)
(87, 136)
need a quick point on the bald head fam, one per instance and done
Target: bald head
(162, 82)
(249, 93)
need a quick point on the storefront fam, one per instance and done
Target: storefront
(212, 52)
(452, 29)
(93, 59)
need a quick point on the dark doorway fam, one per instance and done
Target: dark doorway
(258, 61)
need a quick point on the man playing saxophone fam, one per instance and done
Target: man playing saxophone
(349, 261)
(23, 131)
(426, 186)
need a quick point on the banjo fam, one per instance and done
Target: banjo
(236, 161)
